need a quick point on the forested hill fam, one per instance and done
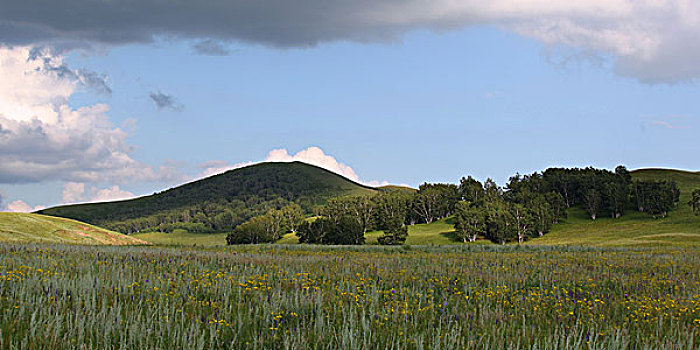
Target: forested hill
(220, 202)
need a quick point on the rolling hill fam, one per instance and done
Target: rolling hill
(33, 228)
(238, 194)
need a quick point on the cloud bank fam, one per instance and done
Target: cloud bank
(20, 206)
(42, 138)
(75, 192)
(649, 40)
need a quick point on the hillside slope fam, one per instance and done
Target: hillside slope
(681, 227)
(33, 228)
(245, 192)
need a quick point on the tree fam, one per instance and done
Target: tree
(341, 230)
(500, 226)
(395, 235)
(313, 232)
(523, 221)
(471, 190)
(259, 229)
(492, 191)
(616, 197)
(435, 201)
(391, 207)
(591, 202)
(557, 204)
(695, 201)
(655, 197)
(269, 227)
(470, 221)
(363, 210)
(543, 215)
(292, 217)
(391, 212)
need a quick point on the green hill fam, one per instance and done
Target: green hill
(681, 227)
(33, 228)
(220, 202)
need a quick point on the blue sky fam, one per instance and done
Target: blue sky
(426, 105)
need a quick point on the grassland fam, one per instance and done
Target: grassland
(32, 228)
(309, 297)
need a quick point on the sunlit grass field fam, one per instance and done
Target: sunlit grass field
(310, 297)
(33, 228)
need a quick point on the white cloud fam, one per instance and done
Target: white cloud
(74, 192)
(42, 138)
(20, 206)
(109, 194)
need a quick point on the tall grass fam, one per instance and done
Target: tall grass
(290, 297)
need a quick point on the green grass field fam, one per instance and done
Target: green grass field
(361, 297)
(33, 228)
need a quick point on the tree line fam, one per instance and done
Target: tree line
(526, 207)
(529, 205)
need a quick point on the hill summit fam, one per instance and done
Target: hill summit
(220, 202)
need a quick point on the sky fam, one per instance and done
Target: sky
(110, 100)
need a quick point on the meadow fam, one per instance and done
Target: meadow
(371, 297)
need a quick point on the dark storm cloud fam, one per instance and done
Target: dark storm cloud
(650, 40)
(274, 22)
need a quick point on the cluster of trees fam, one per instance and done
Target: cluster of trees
(503, 215)
(346, 220)
(530, 204)
(268, 227)
(600, 191)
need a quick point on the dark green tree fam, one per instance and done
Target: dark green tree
(469, 221)
(592, 203)
(471, 190)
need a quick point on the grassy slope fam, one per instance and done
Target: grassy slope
(33, 228)
(682, 227)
